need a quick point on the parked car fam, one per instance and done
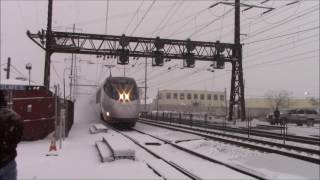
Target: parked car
(296, 116)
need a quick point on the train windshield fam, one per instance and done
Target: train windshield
(122, 89)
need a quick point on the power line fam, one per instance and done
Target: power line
(277, 47)
(57, 74)
(180, 20)
(169, 19)
(277, 11)
(131, 20)
(280, 24)
(165, 17)
(282, 58)
(211, 22)
(18, 71)
(276, 37)
(141, 20)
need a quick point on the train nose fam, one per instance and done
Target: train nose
(125, 110)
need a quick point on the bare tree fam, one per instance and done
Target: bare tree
(278, 98)
(314, 101)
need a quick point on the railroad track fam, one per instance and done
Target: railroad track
(261, 145)
(183, 170)
(243, 131)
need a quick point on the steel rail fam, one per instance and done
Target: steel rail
(204, 157)
(175, 166)
(243, 144)
(293, 138)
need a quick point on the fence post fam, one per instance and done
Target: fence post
(205, 120)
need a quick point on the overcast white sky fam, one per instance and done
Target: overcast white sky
(289, 62)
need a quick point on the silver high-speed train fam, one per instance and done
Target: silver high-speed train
(118, 100)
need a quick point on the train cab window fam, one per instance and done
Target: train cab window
(188, 96)
(202, 96)
(182, 96)
(208, 96)
(111, 90)
(168, 96)
(221, 97)
(215, 97)
(175, 96)
(195, 96)
(115, 87)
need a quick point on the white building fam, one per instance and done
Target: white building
(190, 100)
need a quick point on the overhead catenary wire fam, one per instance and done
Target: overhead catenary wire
(256, 21)
(164, 18)
(211, 22)
(20, 73)
(16, 69)
(288, 34)
(175, 11)
(282, 58)
(263, 30)
(132, 18)
(268, 50)
(143, 17)
(57, 74)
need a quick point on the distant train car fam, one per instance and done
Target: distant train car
(118, 100)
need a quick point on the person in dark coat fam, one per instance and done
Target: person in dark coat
(276, 115)
(11, 129)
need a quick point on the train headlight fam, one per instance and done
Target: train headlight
(124, 97)
(107, 113)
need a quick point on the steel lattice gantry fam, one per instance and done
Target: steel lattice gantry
(124, 47)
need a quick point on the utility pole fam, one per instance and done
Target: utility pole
(237, 85)
(158, 101)
(225, 102)
(145, 86)
(48, 48)
(75, 76)
(71, 69)
(8, 68)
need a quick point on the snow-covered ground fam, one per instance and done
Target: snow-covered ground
(293, 129)
(269, 165)
(79, 159)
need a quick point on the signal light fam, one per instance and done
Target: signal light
(123, 56)
(189, 60)
(219, 59)
(159, 43)
(158, 58)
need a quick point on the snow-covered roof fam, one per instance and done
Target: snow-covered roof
(14, 82)
(17, 84)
